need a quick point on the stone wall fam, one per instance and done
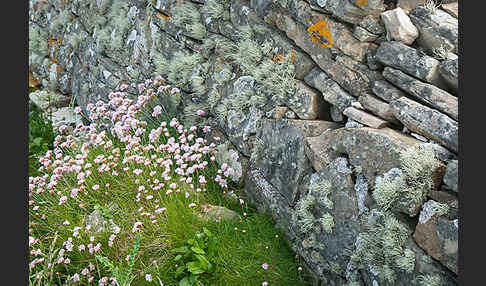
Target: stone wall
(344, 112)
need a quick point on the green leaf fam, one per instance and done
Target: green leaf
(182, 249)
(207, 232)
(185, 282)
(194, 267)
(180, 270)
(178, 257)
(198, 250)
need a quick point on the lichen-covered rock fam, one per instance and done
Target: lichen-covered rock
(282, 159)
(400, 56)
(331, 91)
(398, 26)
(449, 70)
(65, 116)
(423, 92)
(427, 122)
(408, 5)
(364, 117)
(216, 213)
(239, 128)
(326, 219)
(45, 99)
(436, 29)
(373, 25)
(451, 177)
(377, 107)
(386, 90)
(437, 235)
(364, 35)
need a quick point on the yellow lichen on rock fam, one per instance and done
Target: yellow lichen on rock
(362, 3)
(319, 31)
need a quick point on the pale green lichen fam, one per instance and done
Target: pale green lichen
(441, 209)
(430, 280)
(257, 150)
(327, 222)
(181, 67)
(411, 188)
(61, 21)
(187, 16)
(382, 247)
(76, 40)
(37, 41)
(216, 8)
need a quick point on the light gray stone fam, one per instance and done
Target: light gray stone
(423, 92)
(398, 26)
(427, 122)
(451, 177)
(400, 56)
(364, 117)
(449, 70)
(386, 90)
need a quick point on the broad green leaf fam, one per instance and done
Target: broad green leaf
(182, 249)
(198, 250)
(178, 257)
(194, 267)
(185, 282)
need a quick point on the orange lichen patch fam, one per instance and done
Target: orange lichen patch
(279, 58)
(162, 16)
(362, 3)
(321, 34)
(32, 81)
(292, 56)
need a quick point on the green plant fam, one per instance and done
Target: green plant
(122, 272)
(193, 259)
(41, 137)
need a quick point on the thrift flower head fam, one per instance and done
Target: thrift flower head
(265, 266)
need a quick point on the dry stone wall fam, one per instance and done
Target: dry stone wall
(344, 112)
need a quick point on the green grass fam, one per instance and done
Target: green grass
(237, 252)
(41, 137)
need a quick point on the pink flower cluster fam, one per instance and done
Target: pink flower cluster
(174, 159)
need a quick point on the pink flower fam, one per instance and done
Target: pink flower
(191, 205)
(76, 278)
(148, 277)
(96, 187)
(264, 283)
(265, 266)
(157, 111)
(77, 110)
(174, 90)
(200, 112)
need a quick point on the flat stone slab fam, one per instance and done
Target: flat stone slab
(386, 91)
(423, 92)
(364, 117)
(378, 107)
(400, 56)
(427, 122)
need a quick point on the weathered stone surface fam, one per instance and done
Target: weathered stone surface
(310, 105)
(322, 248)
(375, 150)
(99, 223)
(277, 112)
(65, 116)
(438, 236)
(423, 92)
(373, 25)
(451, 8)
(239, 128)
(348, 79)
(435, 29)
(45, 99)
(423, 265)
(283, 162)
(408, 5)
(331, 91)
(451, 177)
(364, 117)
(336, 115)
(377, 107)
(319, 151)
(449, 70)
(363, 35)
(427, 122)
(386, 90)
(345, 11)
(398, 26)
(400, 56)
(211, 212)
